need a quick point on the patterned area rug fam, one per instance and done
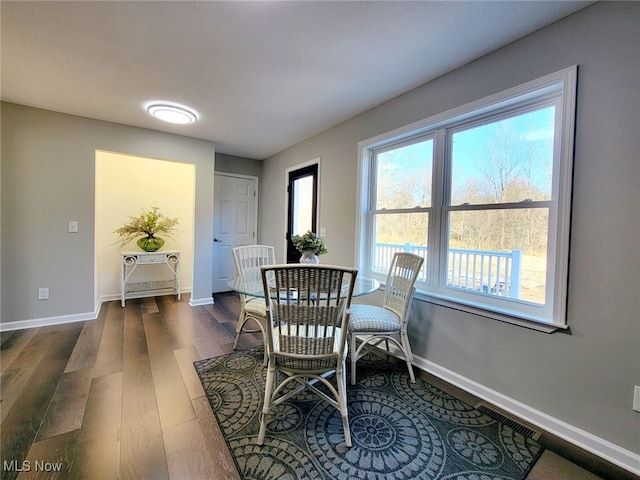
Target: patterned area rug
(399, 430)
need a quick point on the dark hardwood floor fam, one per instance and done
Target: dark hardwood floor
(118, 397)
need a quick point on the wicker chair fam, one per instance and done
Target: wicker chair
(308, 313)
(249, 259)
(371, 325)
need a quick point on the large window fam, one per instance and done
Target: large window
(483, 194)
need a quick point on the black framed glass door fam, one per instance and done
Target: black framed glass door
(302, 190)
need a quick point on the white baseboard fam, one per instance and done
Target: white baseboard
(48, 321)
(196, 302)
(599, 447)
(76, 317)
(110, 298)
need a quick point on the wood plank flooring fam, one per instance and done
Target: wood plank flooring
(118, 397)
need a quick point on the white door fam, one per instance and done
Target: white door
(234, 223)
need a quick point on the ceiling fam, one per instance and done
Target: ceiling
(261, 75)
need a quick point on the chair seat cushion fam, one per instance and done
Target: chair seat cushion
(256, 306)
(372, 319)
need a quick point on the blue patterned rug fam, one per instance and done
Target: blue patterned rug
(399, 430)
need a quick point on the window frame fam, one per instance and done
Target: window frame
(548, 317)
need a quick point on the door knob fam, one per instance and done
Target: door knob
(217, 240)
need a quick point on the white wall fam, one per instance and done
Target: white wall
(578, 382)
(125, 185)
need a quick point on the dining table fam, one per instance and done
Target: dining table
(250, 284)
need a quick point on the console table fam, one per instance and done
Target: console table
(131, 260)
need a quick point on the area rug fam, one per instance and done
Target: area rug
(399, 430)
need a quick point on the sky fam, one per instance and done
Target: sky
(531, 130)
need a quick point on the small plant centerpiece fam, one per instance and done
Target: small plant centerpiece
(310, 246)
(147, 225)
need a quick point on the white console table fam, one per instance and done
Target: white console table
(131, 260)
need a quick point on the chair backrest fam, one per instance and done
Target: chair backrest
(400, 285)
(308, 308)
(249, 258)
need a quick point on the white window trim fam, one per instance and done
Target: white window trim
(567, 81)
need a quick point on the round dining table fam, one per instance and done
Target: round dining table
(251, 284)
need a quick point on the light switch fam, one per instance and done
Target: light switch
(323, 232)
(73, 227)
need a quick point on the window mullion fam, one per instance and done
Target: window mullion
(402, 210)
(501, 206)
(436, 219)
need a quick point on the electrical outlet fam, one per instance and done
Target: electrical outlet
(43, 294)
(636, 398)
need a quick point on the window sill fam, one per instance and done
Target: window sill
(494, 315)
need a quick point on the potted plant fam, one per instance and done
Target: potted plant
(310, 246)
(147, 225)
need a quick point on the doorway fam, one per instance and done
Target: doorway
(126, 184)
(302, 205)
(235, 222)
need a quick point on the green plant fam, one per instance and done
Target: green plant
(309, 242)
(147, 224)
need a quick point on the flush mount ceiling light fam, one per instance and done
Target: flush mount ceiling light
(171, 113)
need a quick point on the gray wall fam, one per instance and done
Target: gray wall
(48, 178)
(584, 377)
(238, 165)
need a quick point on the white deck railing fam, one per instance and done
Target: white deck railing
(496, 273)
